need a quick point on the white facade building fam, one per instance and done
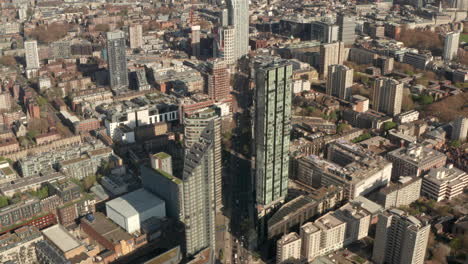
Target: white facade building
(130, 210)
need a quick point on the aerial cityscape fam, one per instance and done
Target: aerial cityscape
(233, 131)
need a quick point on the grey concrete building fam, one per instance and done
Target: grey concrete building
(239, 18)
(194, 125)
(402, 193)
(388, 95)
(199, 193)
(400, 238)
(116, 60)
(347, 28)
(340, 81)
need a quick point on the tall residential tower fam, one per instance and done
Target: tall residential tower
(116, 60)
(451, 45)
(272, 129)
(238, 11)
(340, 81)
(400, 238)
(388, 94)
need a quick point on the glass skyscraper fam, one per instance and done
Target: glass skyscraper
(272, 129)
(116, 60)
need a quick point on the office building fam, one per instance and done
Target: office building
(288, 248)
(332, 53)
(32, 55)
(225, 44)
(414, 160)
(401, 193)
(136, 36)
(199, 192)
(194, 125)
(273, 78)
(141, 80)
(388, 95)
(219, 80)
(340, 81)
(324, 32)
(195, 41)
(444, 183)
(347, 28)
(161, 161)
(357, 178)
(400, 238)
(238, 13)
(460, 129)
(116, 60)
(129, 211)
(67, 245)
(452, 40)
(419, 61)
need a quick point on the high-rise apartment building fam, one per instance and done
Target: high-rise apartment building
(340, 81)
(273, 78)
(225, 48)
(288, 248)
(332, 53)
(388, 95)
(347, 28)
(400, 238)
(136, 36)
(401, 193)
(194, 125)
(195, 41)
(238, 11)
(460, 129)
(219, 80)
(116, 60)
(32, 55)
(199, 192)
(323, 236)
(452, 40)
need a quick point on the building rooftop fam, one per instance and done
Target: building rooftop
(106, 228)
(288, 238)
(447, 174)
(417, 154)
(369, 205)
(58, 235)
(328, 221)
(135, 203)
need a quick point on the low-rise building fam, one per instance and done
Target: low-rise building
(19, 246)
(130, 210)
(444, 183)
(414, 160)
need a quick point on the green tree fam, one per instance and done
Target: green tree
(362, 138)
(456, 244)
(426, 99)
(89, 181)
(455, 143)
(389, 125)
(3, 201)
(342, 127)
(41, 101)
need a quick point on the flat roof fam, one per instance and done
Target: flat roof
(135, 202)
(58, 235)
